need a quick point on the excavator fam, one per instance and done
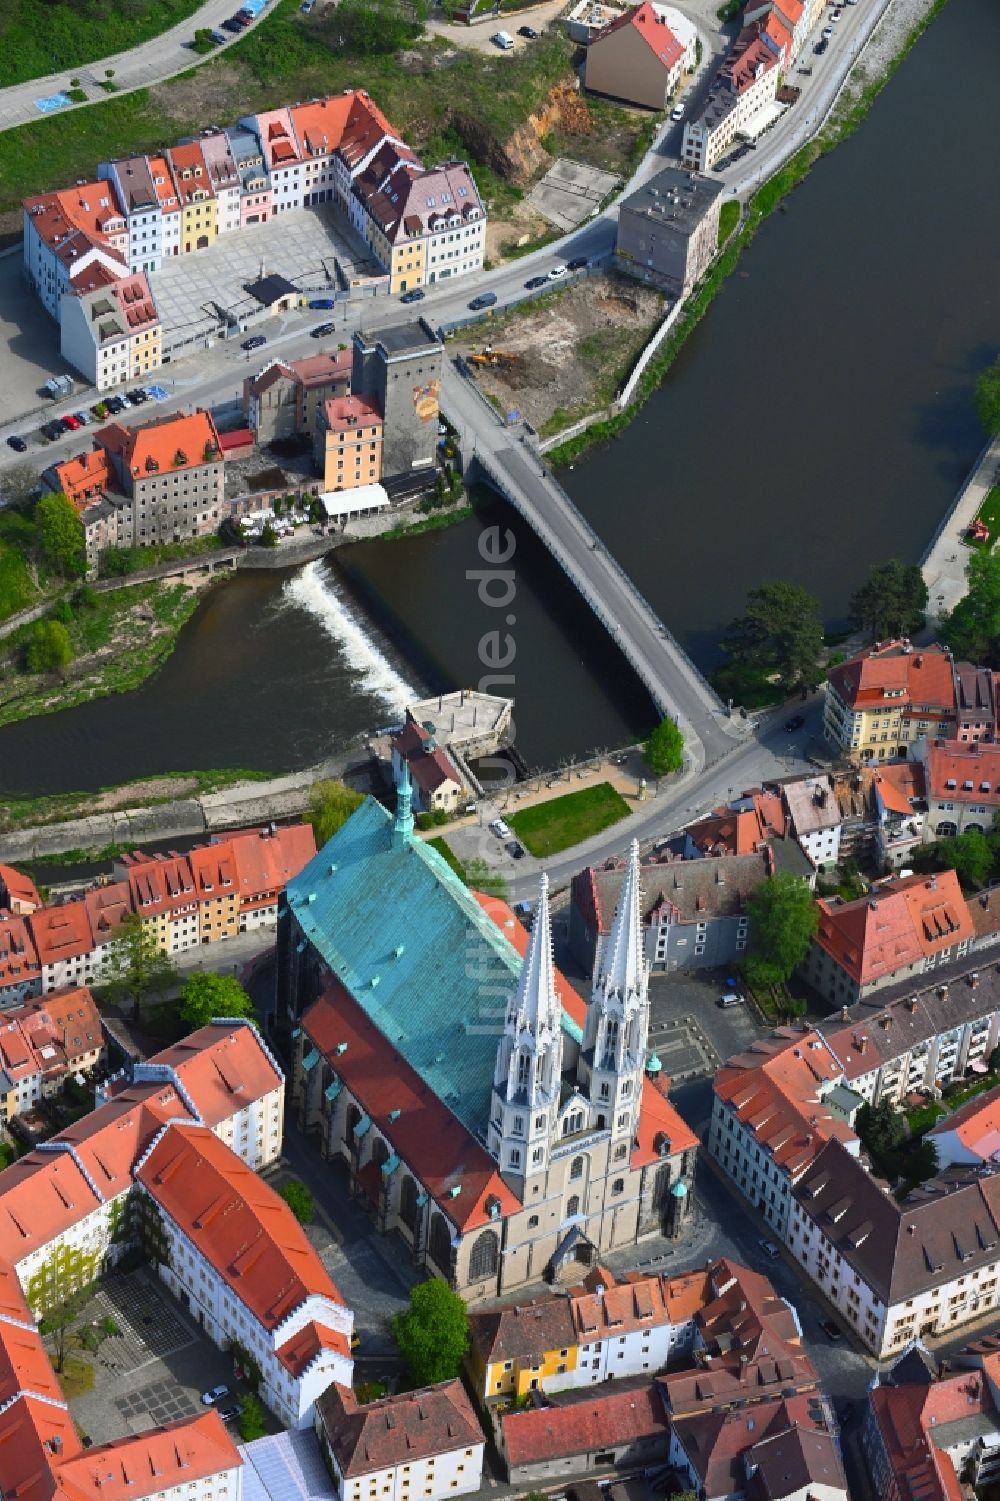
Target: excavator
(493, 359)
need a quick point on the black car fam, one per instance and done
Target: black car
(795, 723)
(416, 295)
(52, 430)
(830, 1329)
(578, 263)
(821, 46)
(536, 281)
(232, 25)
(529, 32)
(515, 850)
(257, 341)
(115, 404)
(16, 443)
(138, 396)
(321, 330)
(485, 299)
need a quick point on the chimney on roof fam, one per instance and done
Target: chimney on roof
(974, 979)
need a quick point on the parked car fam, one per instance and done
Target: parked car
(821, 46)
(229, 1414)
(557, 271)
(515, 849)
(321, 330)
(125, 400)
(70, 422)
(529, 32)
(836, 15)
(214, 1394)
(232, 25)
(534, 282)
(795, 723)
(500, 828)
(485, 299)
(503, 40)
(82, 417)
(769, 1248)
(827, 32)
(321, 304)
(219, 38)
(138, 397)
(52, 430)
(115, 405)
(578, 263)
(16, 443)
(677, 113)
(242, 18)
(830, 1329)
(256, 341)
(415, 294)
(732, 998)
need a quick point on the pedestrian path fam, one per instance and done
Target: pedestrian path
(946, 559)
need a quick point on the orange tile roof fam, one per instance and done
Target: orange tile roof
(41, 1195)
(895, 926)
(84, 475)
(17, 889)
(25, 1365)
(158, 884)
(238, 1223)
(897, 783)
(190, 157)
(163, 182)
(111, 1139)
(167, 445)
(604, 1307)
(320, 124)
(176, 1455)
(223, 1068)
(61, 932)
(298, 1353)
(266, 861)
(88, 209)
(659, 1125)
(343, 413)
(107, 906)
(61, 1026)
(976, 1124)
(18, 955)
(896, 677)
(963, 773)
(646, 22)
(214, 870)
(277, 138)
(30, 1433)
(620, 1414)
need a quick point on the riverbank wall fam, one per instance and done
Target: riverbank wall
(947, 556)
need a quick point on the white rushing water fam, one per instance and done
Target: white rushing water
(312, 590)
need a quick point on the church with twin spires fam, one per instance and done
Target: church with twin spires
(506, 1129)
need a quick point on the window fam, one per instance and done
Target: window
(485, 1256)
(618, 1186)
(533, 1222)
(576, 1168)
(572, 1206)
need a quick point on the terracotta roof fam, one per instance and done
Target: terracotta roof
(976, 1124)
(238, 1223)
(277, 138)
(214, 870)
(17, 889)
(624, 1412)
(60, 1027)
(166, 445)
(61, 932)
(963, 773)
(189, 157)
(402, 1429)
(18, 956)
(517, 934)
(647, 23)
(176, 1455)
(85, 474)
(432, 770)
(88, 211)
(343, 413)
(107, 906)
(899, 924)
(298, 1353)
(984, 909)
(222, 1067)
(322, 369)
(30, 1431)
(894, 676)
(157, 885)
(912, 1420)
(41, 1195)
(320, 124)
(659, 1125)
(898, 785)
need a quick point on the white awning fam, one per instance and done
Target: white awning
(762, 120)
(363, 498)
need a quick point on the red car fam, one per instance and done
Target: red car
(70, 422)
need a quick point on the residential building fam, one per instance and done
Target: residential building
(583, 1151)
(880, 703)
(742, 826)
(215, 879)
(639, 57)
(815, 817)
(162, 895)
(319, 129)
(20, 968)
(933, 1430)
(905, 926)
(196, 196)
(962, 781)
(256, 199)
(400, 369)
(18, 892)
(773, 1108)
(232, 1251)
(283, 399)
(693, 911)
(970, 1134)
(437, 781)
(347, 448)
(899, 800)
(136, 193)
(588, 18)
(170, 206)
(668, 229)
(746, 84)
(283, 157)
(797, 18)
(41, 1042)
(68, 234)
(422, 1445)
(787, 1449)
(423, 224)
(601, 1329)
(898, 1269)
(66, 946)
(172, 470)
(624, 1426)
(224, 176)
(112, 333)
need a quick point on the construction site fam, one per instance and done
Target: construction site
(565, 355)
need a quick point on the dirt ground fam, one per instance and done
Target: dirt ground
(572, 349)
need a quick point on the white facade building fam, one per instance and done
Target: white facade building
(422, 1445)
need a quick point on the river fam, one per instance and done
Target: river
(819, 420)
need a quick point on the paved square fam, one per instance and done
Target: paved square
(157, 1403)
(570, 192)
(305, 246)
(150, 1325)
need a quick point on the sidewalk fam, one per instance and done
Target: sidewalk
(945, 561)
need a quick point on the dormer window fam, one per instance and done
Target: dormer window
(430, 201)
(951, 784)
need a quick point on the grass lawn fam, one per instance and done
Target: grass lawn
(989, 512)
(924, 1117)
(44, 36)
(968, 1091)
(77, 1376)
(562, 822)
(447, 854)
(729, 217)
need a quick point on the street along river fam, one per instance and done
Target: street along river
(819, 420)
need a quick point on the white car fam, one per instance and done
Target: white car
(557, 272)
(677, 113)
(500, 829)
(214, 1394)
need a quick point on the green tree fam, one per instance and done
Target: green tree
(136, 966)
(921, 1162)
(374, 27)
(268, 536)
(300, 1201)
(49, 649)
(251, 1422)
(60, 1290)
(987, 398)
(331, 804)
(480, 875)
(972, 628)
(664, 748)
(972, 856)
(206, 996)
(60, 535)
(781, 634)
(432, 1333)
(891, 601)
(881, 1128)
(783, 919)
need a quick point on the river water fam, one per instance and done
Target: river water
(819, 420)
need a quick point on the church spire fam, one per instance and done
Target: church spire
(536, 1005)
(402, 826)
(622, 965)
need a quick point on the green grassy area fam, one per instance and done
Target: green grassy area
(924, 1117)
(989, 512)
(432, 523)
(24, 812)
(546, 828)
(447, 854)
(44, 36)
(729, 217)
(968, 1089)
(76, 1377)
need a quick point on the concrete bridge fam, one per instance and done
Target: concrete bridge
(512, 467)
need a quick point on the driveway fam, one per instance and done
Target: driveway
(477, 38)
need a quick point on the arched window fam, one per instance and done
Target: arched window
(572, 1206)
(408, 1203)
(353, 1116)
(946, 829)
(973, 828)
(380, 1152)
(485, 1256)
(523, 1070)
(576, 1168)
(661, 1187)
(440, 1243)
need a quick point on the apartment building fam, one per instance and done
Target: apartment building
(283, 157)
(347, 449)
(67, 233)
(196, 196)
(797, 19)
(111, 332)
(815, 817)
(747, 82)
(172, 469)
(424, 224)
(41, 1042)
(162, 895)
(233, 1253)
(962, 785)
(624, 1427)
(906, 926)
(602, 1329)
(399, 368)
(169, 205)
(256, 199)
(668, 229)
(20, 968)
(136, 193)
(224, 177)
(639, 56)
(880, 703)
(283, 399)
(970, 1134)
(423, 1445)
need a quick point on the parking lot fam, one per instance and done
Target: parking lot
(30, 341)
(694, 1035)
(155, 1369)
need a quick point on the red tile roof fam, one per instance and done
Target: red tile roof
(964, 773)
(84, 476)
(166, 445)
(898, 784)
(18, 955)
(61, 932)
(238, 1223)
(976, 1123)
(298, 1353)
(897, 925)
(190, 158)
(621, 1414)
(176, 1455)
(907, 1416)
(894, 676)
(222, 1068)
(401, 1429)
(647, 23)
(267, 860)
(17, 889)
(344, 413)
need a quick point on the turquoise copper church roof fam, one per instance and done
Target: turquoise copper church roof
(405, 936)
